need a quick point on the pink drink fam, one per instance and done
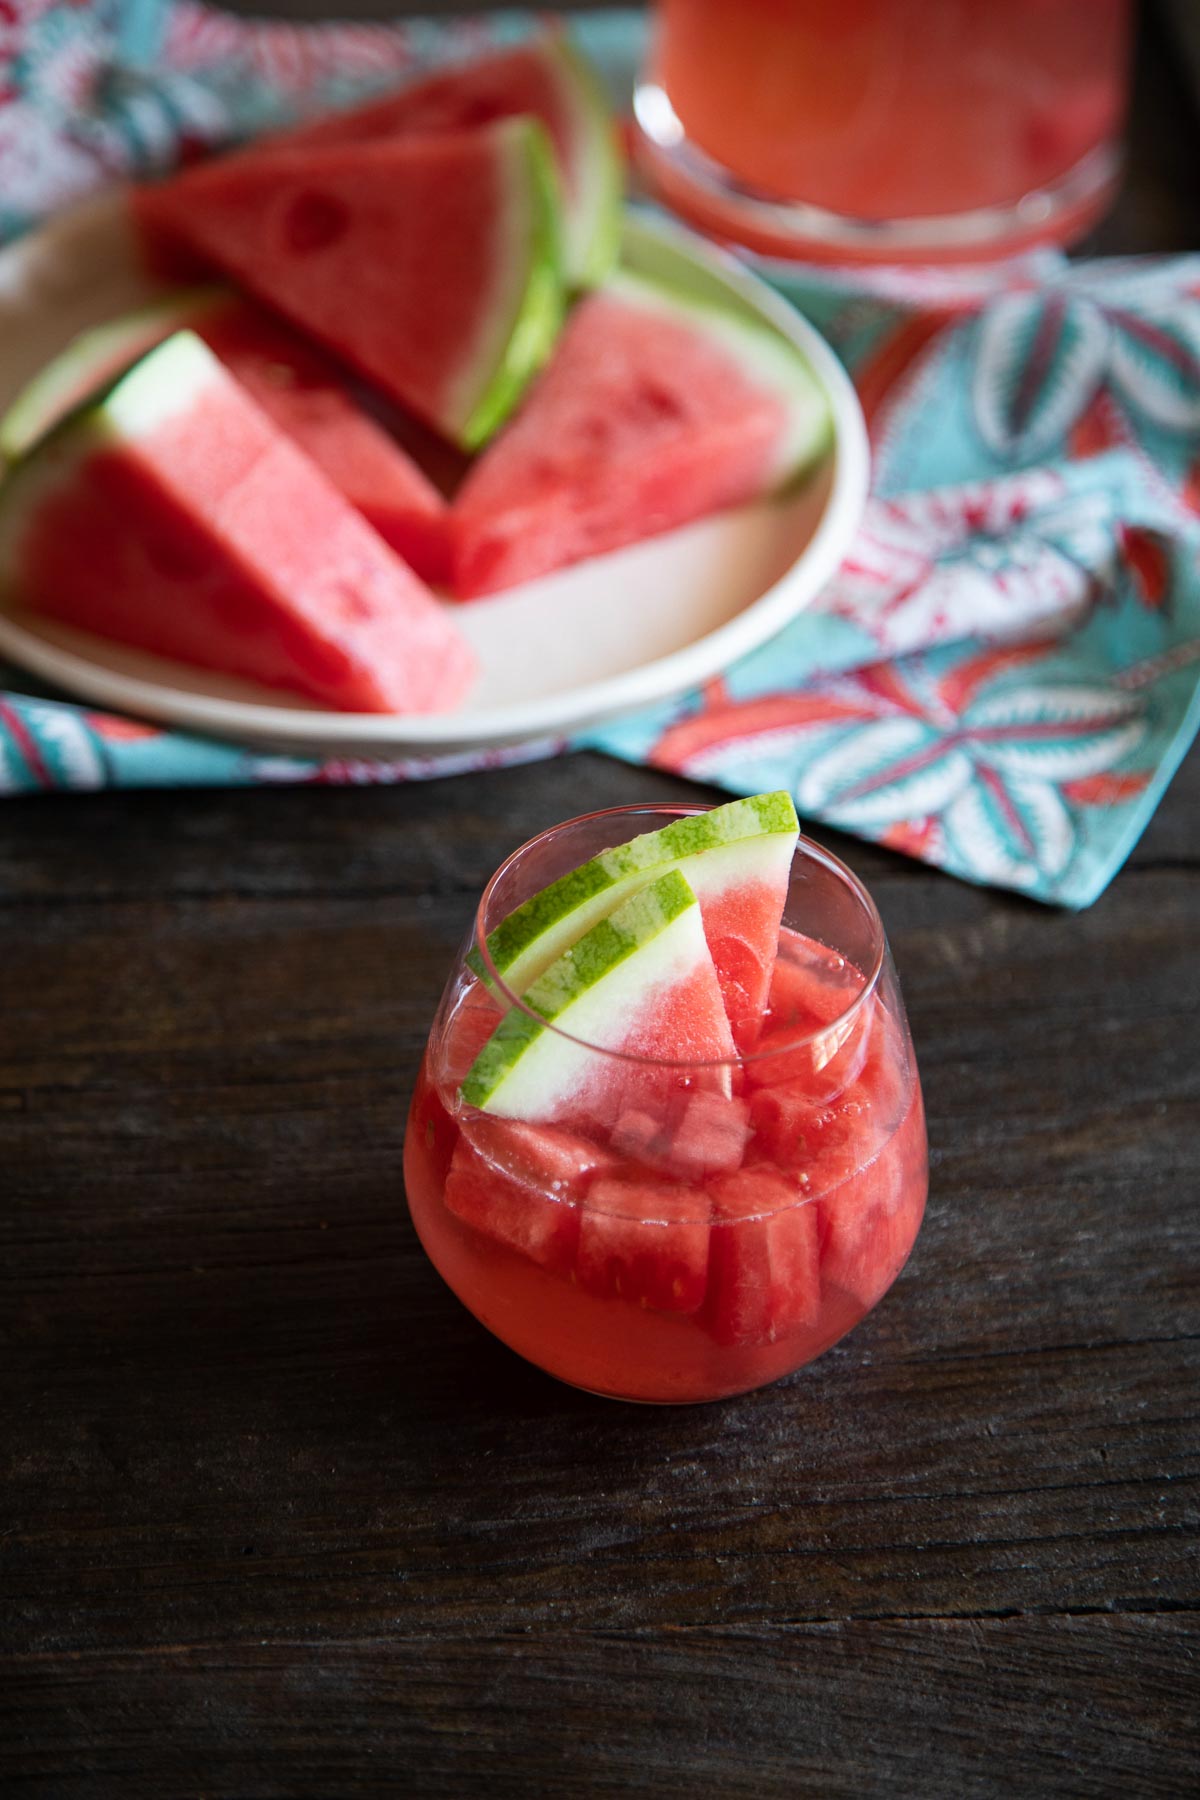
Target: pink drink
(707, 1245)
(916, 127)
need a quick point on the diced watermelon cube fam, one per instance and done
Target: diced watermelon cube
(869, 1222)
(710, 1139)
(646, 1242)
(800, 1135)
(642, 1137)
(521, 1185)
(833, 1048)
(764, 1277)
(858, 1249)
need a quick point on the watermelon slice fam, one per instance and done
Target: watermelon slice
(520, 1185)
(656, 409)
(737, 859)
(640, 982)
(645, 1242)
(430, 265)
(291, 380)
(764, 1277)
(174, 517)
(546, 79)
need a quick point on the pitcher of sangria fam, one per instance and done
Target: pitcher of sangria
(890, 130)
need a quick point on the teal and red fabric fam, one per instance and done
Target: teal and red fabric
(1005, 673)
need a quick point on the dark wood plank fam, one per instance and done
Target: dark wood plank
(952, 1711)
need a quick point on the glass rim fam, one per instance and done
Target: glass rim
(806, 846)
(1000, 227)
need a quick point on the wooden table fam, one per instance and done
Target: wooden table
(277, 1518)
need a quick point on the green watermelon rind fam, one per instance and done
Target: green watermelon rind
(766, 357)
(611, 942)
(574, 900)
(66, 384)
(540, 311)
(591, 229)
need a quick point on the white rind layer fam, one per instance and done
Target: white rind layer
(166, 383)
(552, 1071)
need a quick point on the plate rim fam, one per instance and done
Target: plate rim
(257, 723)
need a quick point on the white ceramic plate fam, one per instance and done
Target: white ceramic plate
(557, 655)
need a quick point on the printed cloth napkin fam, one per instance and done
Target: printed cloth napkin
(1005, 673)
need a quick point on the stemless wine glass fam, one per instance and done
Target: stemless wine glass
(731, 1219)
(893, 130)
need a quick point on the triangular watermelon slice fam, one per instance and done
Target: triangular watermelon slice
(174, 517)
(547, 80)
(656, 409)
(290, 378)
(737, 860)
(641, 982)
(430, 265)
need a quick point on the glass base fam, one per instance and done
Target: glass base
(710, 197)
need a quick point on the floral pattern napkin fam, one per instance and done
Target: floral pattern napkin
(1003, 676)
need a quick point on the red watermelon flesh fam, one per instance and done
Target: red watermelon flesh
(653, 412)
(301, 390)
(545, 80)
(764, 1277)
(703, 1132)
(742, 925)
(174, 517)
(429, 265)
(645, 1242)
(710, 1138)
(521, 1186)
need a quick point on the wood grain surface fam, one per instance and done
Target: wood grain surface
(277, 1518)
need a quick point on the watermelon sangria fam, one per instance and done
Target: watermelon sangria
(667, 1141)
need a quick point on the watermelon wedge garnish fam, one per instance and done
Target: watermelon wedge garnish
(291, 380)
(737, 859)
(640, 982)
(657, 408)
(431, 265)
(546, 80)
(172, 516)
